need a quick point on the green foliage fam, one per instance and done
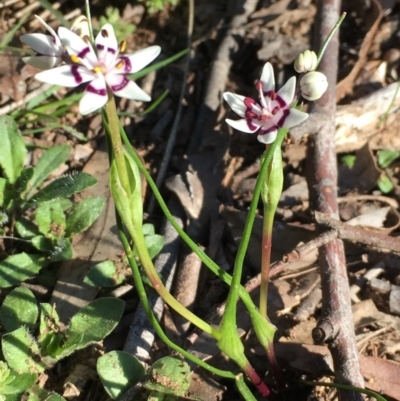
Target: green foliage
(157, 5)
(118, 371)
(122, 29)
(26, 356)
(386, 157)
(348, 160)
(19, 308)
(104, 274)
(43, 216)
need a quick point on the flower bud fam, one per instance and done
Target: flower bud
(313, 85)
(81, 27)
(306, 61)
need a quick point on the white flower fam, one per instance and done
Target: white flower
(306, 61)
(104, 69)
(49, 48)
(313, 85)
(81, 26)
(272, 112)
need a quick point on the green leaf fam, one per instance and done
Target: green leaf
(3, 183)
(26, 229)
(154, 244)
(148, 229)
(13, 150)
(21, 184)
(42, 243)
(348, 160)
(170, 375)
(49, 329)
(91, 324)
(22, 352)
(50, 219)
(118, 371)
(384, 184)
(19, 383)
(64, 187)
(50, 160)
(83, 215)
(19, 267)
(103, 274)
(386, 157)
(62, 250)
(19, 309)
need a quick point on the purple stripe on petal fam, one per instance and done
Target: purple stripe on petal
(281, 121)
(109, 49)
(250, 124)
(267, 131)
(76, 74)
(101, 92)
(124, 82)
(127, 64)
(83, 52)
(281, 102)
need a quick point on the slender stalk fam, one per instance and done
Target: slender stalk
(113, 128)
(147, 307)
(265, 260)
(148, 266)
(118, 153)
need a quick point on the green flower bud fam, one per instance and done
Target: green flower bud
(306, 61)
(313, 85)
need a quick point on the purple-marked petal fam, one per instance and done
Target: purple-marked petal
(243, 125)
(65, 75)
(267, 137)
(42, 62)
(295, 117)
(286, 93)
(106, 45)
(142, 57)
(42, 44)
(267, 78)
(92, 101)
(236, 103)
(77, 46)
(122, 86)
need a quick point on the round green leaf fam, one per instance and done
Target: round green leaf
(19, 309)
(118, 371)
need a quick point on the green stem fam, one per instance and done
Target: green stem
(153, 320)
(265, 260)
(148, 266)
(113, 129)
(271, 195)
(118, 153)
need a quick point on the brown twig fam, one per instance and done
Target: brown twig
(336, 325)
(359, 234)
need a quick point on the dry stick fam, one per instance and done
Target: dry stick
(336, 324)
(172, 136)
(359, 234)
(219, 71)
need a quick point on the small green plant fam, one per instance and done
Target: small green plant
(29, 347)
(157, 5)
(166, 380)
(385, 158)
(39, 222)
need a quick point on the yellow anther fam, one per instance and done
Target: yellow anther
(120, 65)
(97, 69)
(122, 46)
(74, 59)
